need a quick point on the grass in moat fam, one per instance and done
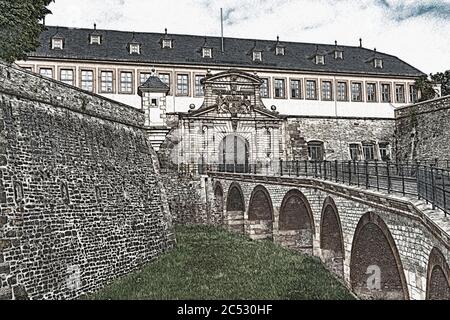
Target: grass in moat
(211, 263)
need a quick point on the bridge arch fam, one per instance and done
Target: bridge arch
(218, 201)
(260, 214)
(376, 270)
(235, 208)
(296, 224)
(438, 280)
(331, 238)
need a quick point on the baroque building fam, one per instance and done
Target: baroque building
(238, 101)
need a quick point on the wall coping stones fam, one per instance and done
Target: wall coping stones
(428, 106)
(35, 87)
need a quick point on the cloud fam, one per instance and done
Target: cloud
(416, 31)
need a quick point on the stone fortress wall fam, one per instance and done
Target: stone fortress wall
(81, 198)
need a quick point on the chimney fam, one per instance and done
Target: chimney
(95, 26)
(360, 42)
(335, 43)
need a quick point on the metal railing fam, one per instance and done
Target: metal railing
(414, 179)
(408, 179)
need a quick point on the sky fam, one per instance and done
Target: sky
(417, 32)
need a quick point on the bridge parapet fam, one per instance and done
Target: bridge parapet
(397, 235)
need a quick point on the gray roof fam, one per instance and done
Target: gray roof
(153, 84)
(187, 50)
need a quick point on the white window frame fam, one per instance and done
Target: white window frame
(58, 44)
(207, 53)
(126, 83)
(199, 91)
(320, 59)
(183, 86)
(135, 48)
(67, 76)
(105, 80)
(378, 63)
(167, 44)
(265, 88)
(281, 90)
(307, 97)
(257, 56)
(280, 51)
(46, 72)
(339, 55)
(89, 80)
(96, 39)
(142, 80)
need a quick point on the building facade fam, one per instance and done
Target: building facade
(239, 101)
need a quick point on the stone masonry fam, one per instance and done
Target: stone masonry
(404, 237)
(423, 130)
(335, 133)
(80, 195)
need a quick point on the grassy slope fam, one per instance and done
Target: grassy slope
(210, 263)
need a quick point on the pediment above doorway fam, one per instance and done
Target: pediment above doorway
(233, 94)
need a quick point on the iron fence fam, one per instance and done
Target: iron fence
(413, 179)
(408, 179)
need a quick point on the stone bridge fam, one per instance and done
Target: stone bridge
(381, 246)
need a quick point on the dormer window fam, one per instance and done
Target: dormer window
(257, 56)
(279, 51)
(57, 43)
(320, 59)
(339, 55)
(207, 52)
(135, 48)
(96, 39)
(167, 44)
(378, 63)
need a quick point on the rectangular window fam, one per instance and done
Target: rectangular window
(143, 76)
(412, 94)
(342, 91)
(28, 68)
(264, 88)
(315, 151)
(295, 89)
(87, 80)
(207, 53)
(57, 44)
(384, 151)
(369, 151)
(182, 84)
(311, 89)
(320, 59)
(355, 153)
(46, 72)
(257, 56)
(279, 88)
(95, 39)
(167, 43)
(279, 51)
(356, 91)
(126, 82)
(326, 90)
(165, 78)
(106, 81)
(400, 93)
(385, 92)
(198, 85)
(66, 76)
(371, 92)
